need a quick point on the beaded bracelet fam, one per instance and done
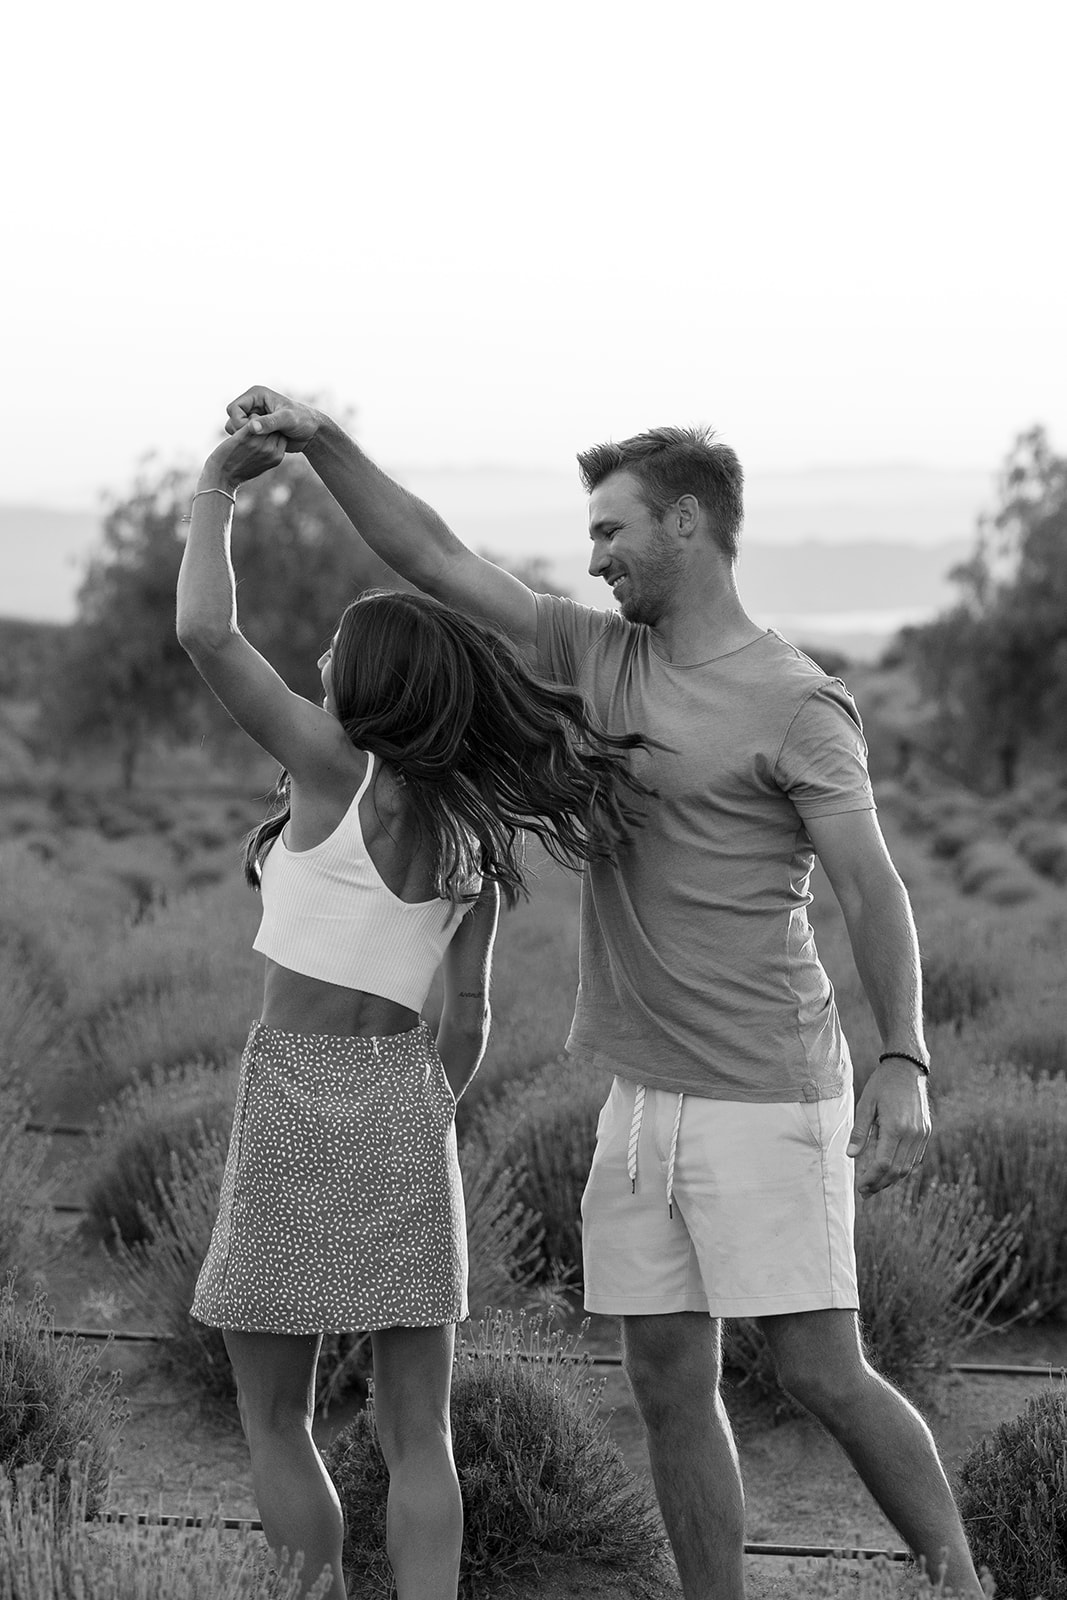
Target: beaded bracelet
(901, 1055)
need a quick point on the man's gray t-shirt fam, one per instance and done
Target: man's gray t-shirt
(698, 969)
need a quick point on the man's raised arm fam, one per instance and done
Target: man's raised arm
(398, 526)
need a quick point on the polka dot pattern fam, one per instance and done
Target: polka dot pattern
(341, 1204)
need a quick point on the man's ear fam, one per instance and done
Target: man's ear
(687, 510)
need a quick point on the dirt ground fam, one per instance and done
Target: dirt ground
(800, 1490)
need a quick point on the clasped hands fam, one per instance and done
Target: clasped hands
(262, 427)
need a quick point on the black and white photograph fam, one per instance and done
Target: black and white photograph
(533, 802)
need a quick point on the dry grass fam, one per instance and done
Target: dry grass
(1010, 1130)
(50, 1549)
(877, 1579)
(56, 1407)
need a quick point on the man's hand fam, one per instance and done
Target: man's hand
(266, 411)
(240, 458)
(892, 1126)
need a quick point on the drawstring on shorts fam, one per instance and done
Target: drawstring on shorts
(631, 1147)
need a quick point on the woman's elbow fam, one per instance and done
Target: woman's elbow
(200, 637)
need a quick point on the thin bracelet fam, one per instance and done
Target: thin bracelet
(226, 492)
(901, 1055)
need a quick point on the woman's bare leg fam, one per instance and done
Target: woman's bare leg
(412, 1382)
(297, 1501)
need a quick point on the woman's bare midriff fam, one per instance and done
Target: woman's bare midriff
(297, 1004)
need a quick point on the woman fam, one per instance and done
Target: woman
(404, 796)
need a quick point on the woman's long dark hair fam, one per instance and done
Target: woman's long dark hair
(486, 750)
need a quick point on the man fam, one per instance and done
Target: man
(721, 1184)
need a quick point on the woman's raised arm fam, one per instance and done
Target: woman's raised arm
(297, 733)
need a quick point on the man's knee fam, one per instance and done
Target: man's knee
(672, 1363)
(819, 1360)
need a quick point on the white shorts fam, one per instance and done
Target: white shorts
(732, 1208)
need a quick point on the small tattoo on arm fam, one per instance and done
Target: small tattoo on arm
(472, 994)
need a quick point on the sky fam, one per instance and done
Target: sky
(496, 234)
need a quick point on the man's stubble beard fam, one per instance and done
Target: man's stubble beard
(658, 575)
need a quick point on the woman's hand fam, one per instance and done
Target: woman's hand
(241, 457)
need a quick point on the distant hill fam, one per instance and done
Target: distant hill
(828, 553)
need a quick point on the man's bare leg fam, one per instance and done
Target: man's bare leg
(820, 1363)
(673, 1363)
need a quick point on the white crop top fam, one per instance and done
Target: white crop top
(328, 913)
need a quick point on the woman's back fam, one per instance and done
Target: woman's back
(352, 928)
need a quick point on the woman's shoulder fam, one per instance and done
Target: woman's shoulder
(321, 799)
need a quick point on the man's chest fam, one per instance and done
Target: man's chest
(709, 744)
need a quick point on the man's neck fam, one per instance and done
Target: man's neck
(708, 621)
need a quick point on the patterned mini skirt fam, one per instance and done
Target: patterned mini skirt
(341, 1206)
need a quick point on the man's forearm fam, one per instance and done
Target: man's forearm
(886, 951)
(399, 527)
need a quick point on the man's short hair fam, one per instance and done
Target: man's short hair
(670, 462)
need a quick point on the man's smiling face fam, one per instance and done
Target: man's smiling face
(632, 550)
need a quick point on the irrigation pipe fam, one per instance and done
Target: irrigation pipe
(153, 1519)
(974, 1369)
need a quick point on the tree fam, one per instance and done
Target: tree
(996, 664)
(122, 678)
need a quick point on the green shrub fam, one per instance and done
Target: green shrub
(38, 906)
(1044, 846)
(503, 1236)
(50, 1550)
(204, 938)
(31, 1018)
(932, 1265)
(20, 817)
(56, 1406)
(876, 1579)
(175, 1113)
(1011, 1129)
(953, 835)
(159, 1031)
(1042, 1052)
(991, 868)
(543, 1484)
(182, 983)
(545, 1129)
(957, 986)
(1012, 1495)
(27, 1238)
